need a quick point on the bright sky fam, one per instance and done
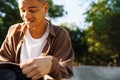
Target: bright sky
(75, 9)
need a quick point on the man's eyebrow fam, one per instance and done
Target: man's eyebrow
(32, 7)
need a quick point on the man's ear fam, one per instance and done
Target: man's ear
(46, 7)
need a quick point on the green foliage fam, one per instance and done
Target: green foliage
(99, 44)
(55, 10)
(103, 34)
(9, 14)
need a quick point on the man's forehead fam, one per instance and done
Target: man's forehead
(29, 0)
(26, 1)
(22, 3)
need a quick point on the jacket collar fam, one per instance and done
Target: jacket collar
(51, 28)
(23, 27)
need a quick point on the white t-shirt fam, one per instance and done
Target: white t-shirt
(32, 47)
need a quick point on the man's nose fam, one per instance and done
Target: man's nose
(27, 15)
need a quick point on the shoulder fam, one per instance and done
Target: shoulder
(58, 30)
(16, 26)
(15, 29)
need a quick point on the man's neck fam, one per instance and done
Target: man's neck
(37, 32)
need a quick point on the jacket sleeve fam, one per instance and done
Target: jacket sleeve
(6, 50)
(63, 56)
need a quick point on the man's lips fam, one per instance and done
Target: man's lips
(29, 22)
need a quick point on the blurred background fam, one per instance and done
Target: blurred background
(93, 25)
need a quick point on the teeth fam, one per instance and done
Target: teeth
(28, 21)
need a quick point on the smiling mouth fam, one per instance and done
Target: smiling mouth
(29, 22)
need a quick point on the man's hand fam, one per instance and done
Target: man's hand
(36, 68)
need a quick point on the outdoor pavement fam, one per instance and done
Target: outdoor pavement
(96, 73)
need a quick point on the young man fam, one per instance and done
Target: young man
(43, 50)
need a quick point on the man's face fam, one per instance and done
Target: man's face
(32, 12)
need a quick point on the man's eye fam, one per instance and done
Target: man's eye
(22, 10)
(32, 11)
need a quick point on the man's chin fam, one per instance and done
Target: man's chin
(29, 24)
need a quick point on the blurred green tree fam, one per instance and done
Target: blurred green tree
(103, 34)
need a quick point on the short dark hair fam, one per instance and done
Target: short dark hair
(42, 1)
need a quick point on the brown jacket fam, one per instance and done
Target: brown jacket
(58, 45)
